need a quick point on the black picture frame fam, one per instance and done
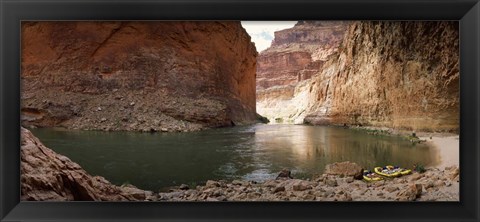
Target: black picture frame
(12, 12)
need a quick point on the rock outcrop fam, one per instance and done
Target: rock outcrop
(296, 54)
(48, 176)
(402, 75)
(148, 76)
(396, 74)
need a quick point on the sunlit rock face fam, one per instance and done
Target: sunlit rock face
(295, 56)
(148, 76)
(395, 74)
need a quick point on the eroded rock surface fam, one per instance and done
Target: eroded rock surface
(295, 56)
(394, 74)
(48, 176)
(401, 75)
(144, 76)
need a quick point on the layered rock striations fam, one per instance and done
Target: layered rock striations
(149, 76)
(396, 74)
(296, 54)
(48, 176)
(401, 75)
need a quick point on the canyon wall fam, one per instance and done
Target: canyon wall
(397, 74)
(296, 54)
(48, 176)
(148, 76)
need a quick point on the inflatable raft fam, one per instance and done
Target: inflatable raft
(391, 171)
(370, 176)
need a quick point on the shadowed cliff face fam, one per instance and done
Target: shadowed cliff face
(394, 74)
(148, 76)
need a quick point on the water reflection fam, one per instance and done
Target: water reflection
(155, 161)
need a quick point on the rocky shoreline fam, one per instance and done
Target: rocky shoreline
(433, 185)
(46, 175)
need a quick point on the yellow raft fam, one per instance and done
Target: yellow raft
(369, 176)
(391, 171)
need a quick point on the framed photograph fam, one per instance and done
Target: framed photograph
(239, 110)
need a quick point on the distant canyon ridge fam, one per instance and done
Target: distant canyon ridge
(389, 74)
(186, 76)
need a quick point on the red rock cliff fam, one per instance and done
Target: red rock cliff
(394, 74)
(149, 76)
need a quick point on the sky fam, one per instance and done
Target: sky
(262, 32)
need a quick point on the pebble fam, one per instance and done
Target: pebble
(240, 182)
(300, 187)
(270, 183)
(439, 183)
(279, 189)
(391, 189)
(329, 193)
(428, 184)
(184, 187)
(212, 183)
(331, 182)
(349, 180)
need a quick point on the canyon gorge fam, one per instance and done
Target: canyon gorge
(166, 76)
(401, 75)
(137, 76)
(198, 76)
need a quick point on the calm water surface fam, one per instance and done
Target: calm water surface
(159, 160)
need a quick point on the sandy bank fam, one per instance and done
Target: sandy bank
(448, 147)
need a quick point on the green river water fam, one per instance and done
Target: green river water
(155, 161)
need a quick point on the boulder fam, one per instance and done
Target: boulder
(331, 182)
(278, 189)
(184, 187)
(285, 173)
(212, 183)
(412, 192)
(301, 186)
(391, 189)
(270, 183)
(345, 169)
